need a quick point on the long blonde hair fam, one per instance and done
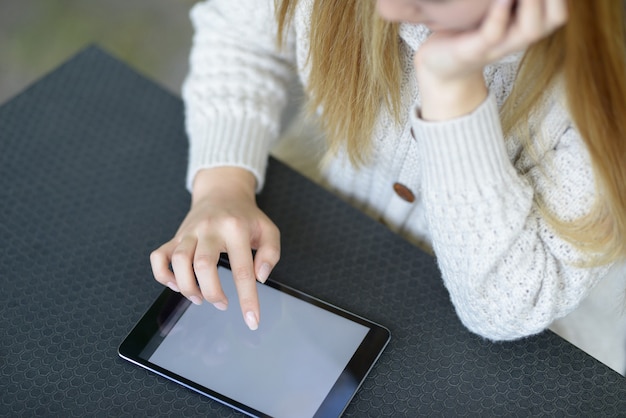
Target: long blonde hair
(356, 69)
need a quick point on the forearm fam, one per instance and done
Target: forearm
(505, 278)
(236, 87)
(509, 274)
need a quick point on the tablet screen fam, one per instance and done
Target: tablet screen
(290, 366)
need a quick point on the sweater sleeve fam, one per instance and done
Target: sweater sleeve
(236, 87)
(508, 273)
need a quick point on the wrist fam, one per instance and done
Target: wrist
(223, 181)
(444, 99)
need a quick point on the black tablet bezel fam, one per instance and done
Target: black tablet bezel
(335, 402)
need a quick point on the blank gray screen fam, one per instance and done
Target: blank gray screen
(285, 368)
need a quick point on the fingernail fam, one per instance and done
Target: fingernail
(220, 305)
(173, 286)
(195, 300)
(251, 321)
(264, 272)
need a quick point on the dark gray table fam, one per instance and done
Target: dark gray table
(92, 162)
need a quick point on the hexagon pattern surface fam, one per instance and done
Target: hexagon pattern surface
(92, 166)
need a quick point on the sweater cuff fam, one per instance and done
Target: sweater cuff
(225, 139)
(466, 153)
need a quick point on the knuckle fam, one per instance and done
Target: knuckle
(180, 257)
(535, 36)
(491, 39)
(242, 273)
(274, 230)
(202, 263)
(557, 23)
(492, 36)
(159, 271)
(525, 38)
(205, 226)
(247, 303)
(234, 224)
(157, 256)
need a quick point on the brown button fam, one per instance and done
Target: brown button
(404, 192)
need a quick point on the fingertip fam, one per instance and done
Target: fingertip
(266, 258)
(264, 272)
(252, 320)
(195, 300)
(173, 286)
(220, 306)
(157, 258)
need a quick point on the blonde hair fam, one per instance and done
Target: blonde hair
(356, 70)
(356, 67)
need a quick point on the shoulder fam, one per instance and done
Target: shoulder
(230, 15)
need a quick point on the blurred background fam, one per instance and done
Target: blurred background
(153, 36)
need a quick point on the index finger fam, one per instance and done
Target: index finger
(241, 264)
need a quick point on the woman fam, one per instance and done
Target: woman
(490, 131)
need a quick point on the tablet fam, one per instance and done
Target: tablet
(306, 359)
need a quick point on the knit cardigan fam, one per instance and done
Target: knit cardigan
(508, 273)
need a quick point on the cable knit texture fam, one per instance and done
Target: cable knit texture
(509, 275)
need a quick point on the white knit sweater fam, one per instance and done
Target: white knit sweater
(508, 274)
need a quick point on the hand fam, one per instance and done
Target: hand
(223, 217)
(449, 65)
